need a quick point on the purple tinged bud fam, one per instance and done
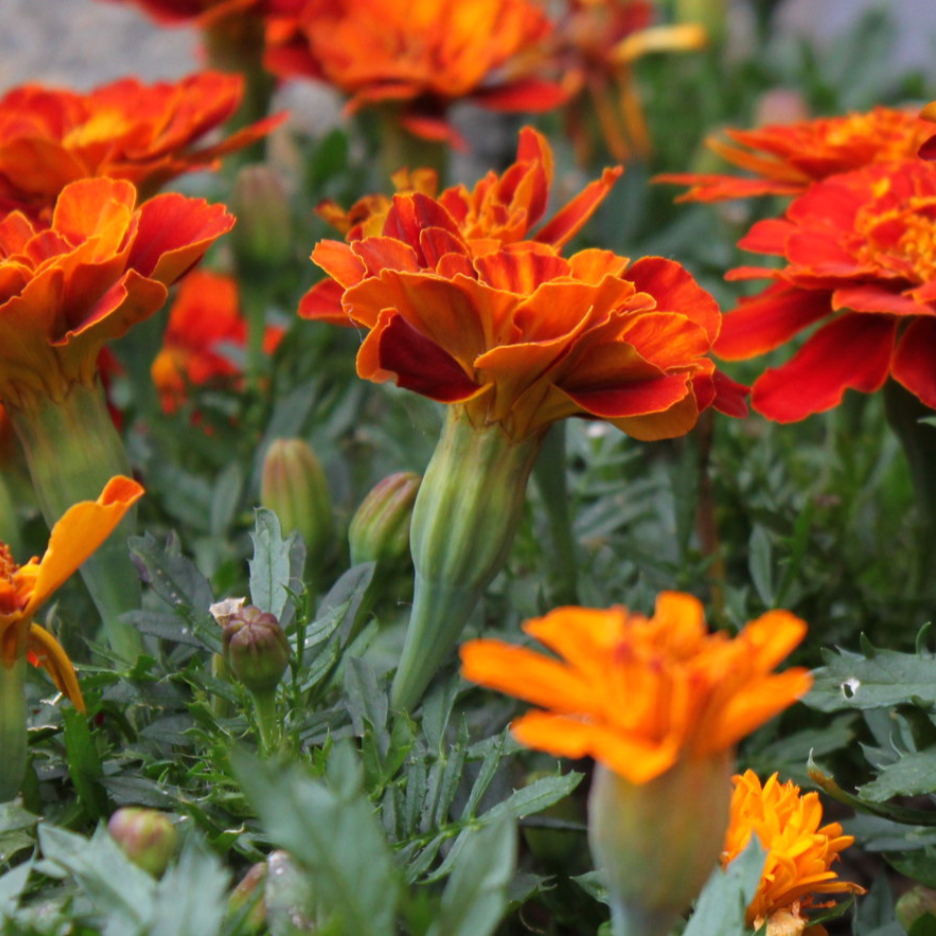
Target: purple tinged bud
(146, 836)
(263, 235)
(256, 649)
(380, 529)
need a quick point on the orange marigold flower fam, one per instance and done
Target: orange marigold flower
(595, 44)
(800, 851)
(425, 55)
(463, 308)
(146, 134)
(24, 589)
(928, 147)
(787, 159)
(639, 694)
(858, 248)
(205, 325)
(101, 266)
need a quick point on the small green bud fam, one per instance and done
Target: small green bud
(255, 648)
(248, 898)
(263, 235)
(293, 486)
(146, 836)
(380, 528)
(914, 904)
(290, 898)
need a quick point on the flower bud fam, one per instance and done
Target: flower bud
(250, 894)
(293, 486)
(290, 900)
(712, 15)
(380, 528)
(146, 836)
(914, 904)
(656, 843)
(256, 649)
(263, 236)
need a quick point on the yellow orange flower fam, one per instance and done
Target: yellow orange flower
(595, 44)
(787, 159)
(463, 308)
(24, 589)
(424, 55)
(205, 322)
(640, 694)
(801, 851)
(146, 134)
(101, 266)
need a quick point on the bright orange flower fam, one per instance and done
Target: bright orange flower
(463, 308)
(639, 694)
(858, 249)
(800, 852)
(102, 266)
(205, 325)
(145, 134)
(787, 159)
(928, 147)
(425, 55)
(24, 589)
(595, 44)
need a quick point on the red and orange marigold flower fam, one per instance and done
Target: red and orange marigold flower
(639, 694)
(101, 266)
(800, 852)
(859, 252)
(787, 159)
(205, 325)
(145, 134)
(461, 306)
(423, 56)
(24, 589)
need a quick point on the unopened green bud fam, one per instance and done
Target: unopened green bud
(380, 529)
(263, 235)
(248, 899)
(293, 486)
(146, 836)
(256, 649)
(290, 898)
(914, 904)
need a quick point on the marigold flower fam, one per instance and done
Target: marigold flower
(423, 55)
(205, 326)
(928, 147)
(146, 134)
(595, 44)
(787, 159)
(859, 249)
(800, 851)
(637, 693)
(462, 308)
(101, 266)
(24, 589)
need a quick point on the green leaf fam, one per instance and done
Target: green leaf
(760, 565)
(273, 569)
(173, 577)
(923, 926)
(475, 897)
(912, 775)
(225, 498)
(191, 899)
(721, 906)
(84, 764)
(334, 833)
(348, 590)
(918, 865)
(12, 885)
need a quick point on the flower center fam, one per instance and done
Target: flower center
(902, 241)
(8, 568)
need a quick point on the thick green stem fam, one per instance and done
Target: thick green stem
(73, 450)
(12, 728)
(268, 721)
(549, 473)
(466, 513)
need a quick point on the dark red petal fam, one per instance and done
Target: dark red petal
(914, 363)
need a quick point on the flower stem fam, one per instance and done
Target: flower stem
(464, 519)
(268, 722)
(12, 727)
(73, 450)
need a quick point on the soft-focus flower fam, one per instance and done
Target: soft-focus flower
(102, 266)
(928, 147)
(205, 331)
(859, 250)
(146, 134)
(463, 308)
(595, 44)
(787, 159)
(423, 55)
(639, 694)
(800, 851)
(24, 589)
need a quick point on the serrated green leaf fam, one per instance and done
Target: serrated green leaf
(912, 775)
(173, 577)
(12, 884)
(84, 764)
(475, 897)
(191, 899)
(14, 817)
(272, 574)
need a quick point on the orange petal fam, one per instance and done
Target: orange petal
(47, 652)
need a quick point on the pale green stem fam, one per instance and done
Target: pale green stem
(12, 728)
(73, 450)
(464, 520)
(268, 721)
